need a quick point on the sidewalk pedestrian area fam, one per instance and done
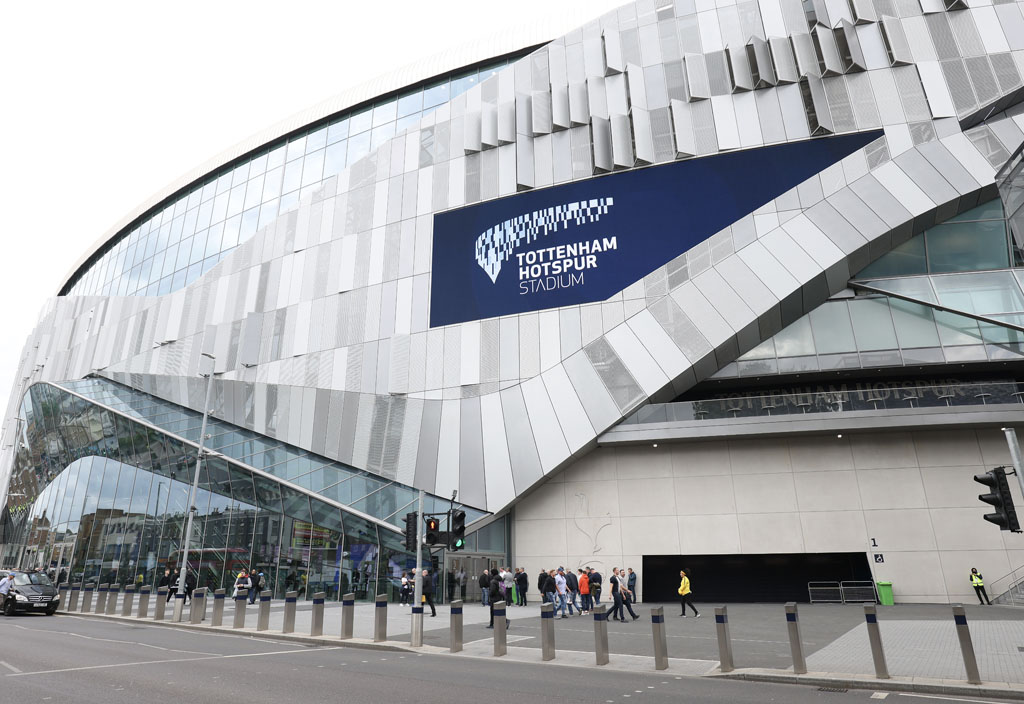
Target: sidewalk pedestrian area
(919, 640)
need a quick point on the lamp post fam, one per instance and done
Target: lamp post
(206, 364)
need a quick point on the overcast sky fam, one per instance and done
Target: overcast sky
(106, 103)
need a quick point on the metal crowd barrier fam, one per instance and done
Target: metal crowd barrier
(848, 592)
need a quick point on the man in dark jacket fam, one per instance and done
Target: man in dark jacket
(485, 587)
(522, 584)
(573, 585)
(495, 596)
(595, 585)
(541, 579)
(631, 585)
(428, 591)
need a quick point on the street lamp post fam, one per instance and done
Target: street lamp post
(207, 361)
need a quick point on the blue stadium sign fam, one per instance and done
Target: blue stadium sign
(584, 241)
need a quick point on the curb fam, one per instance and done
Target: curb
(360, 643)
(996, 690)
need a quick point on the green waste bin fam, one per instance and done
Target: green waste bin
(885, 593)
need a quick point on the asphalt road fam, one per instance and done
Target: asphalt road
(73, 659)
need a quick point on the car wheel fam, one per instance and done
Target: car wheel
(51, 610)
(9, 607)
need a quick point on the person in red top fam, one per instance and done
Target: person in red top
(584, 581)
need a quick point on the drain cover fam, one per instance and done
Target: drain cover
(836, 690)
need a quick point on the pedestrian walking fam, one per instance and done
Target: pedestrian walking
(595, 585)
(485, 586)
(550, 589)
(685, 595)
(616, 587)
(172, 588)
(460, 580)
(562, 589)
(5, 587)
(573, 585)
(542, 579)
(978, 582)
(627, 599)
(242, 581)
(522, 584)
(495, 596)
(428, 592)
(403, 592)
(190, 585)
(509, 583)
(584, 582)
(165, 581)
(631, 585)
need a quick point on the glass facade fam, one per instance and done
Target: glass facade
(179, 240)
(105, 497)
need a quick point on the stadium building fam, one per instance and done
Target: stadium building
(732, 286)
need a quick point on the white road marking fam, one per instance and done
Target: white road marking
(10, 667)
(879, 695)
(162, 662)
(948, 699)
(113, 640)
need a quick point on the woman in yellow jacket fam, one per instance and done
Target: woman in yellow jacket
(685, 594)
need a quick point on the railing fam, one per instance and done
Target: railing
(1008, 589)
(848, 592)
(868, 397)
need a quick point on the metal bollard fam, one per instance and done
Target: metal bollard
(87, 592)
(101, 598)
(725, 663)
(144, 602)
(875, 638)
(963, 634)
(316, 625)
(241, 598)
(129, 600)
(197, 612)
(62, 592)
(160, 608)
(796, 646)
(112, 593)
(416, 630)
(263, 616)
(179, 607)
(380, 618)
(217, 620)
(547, 631)
(455, 627)
(500, 630)
(601, 634)
(76, 593)
(348, 607)
(290, 601)
(660, 641)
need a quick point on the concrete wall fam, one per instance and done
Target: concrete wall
(912, 492)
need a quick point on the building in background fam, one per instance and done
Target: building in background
(731, 288)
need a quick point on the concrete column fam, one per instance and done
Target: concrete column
(111, 607)
(380, 618)
(547, 631)
(76, 593)
(263, 616)
(875, 638)
(796, 646)
(500, 640)
(217, 620)
(129, 600)
(161, 604)
(963, 634)
(316, 624)
(241, 599)
(455, 627)
(660, 641)
(601, 633)
(290, 602)
(197, 613)
(348, 607)
(143, 611)
(87, 598)
(101, 598)
(725, 662)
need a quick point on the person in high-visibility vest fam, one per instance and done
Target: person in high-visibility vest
(978, 582)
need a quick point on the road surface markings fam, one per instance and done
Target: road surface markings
(948, 699)
(10, 667)
(114, 640)
(162, 662)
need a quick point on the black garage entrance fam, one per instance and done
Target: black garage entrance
(749, 578)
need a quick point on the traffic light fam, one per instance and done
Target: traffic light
(433, 534)
(1005, 515)
(457, 530)
(411, 527)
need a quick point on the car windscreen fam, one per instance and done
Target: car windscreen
(22, 578)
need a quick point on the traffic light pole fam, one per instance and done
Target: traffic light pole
(1011, 441)
(416, 640)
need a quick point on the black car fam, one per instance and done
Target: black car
(32, 591)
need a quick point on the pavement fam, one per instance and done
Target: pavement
(67, 658)
(920, 642)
